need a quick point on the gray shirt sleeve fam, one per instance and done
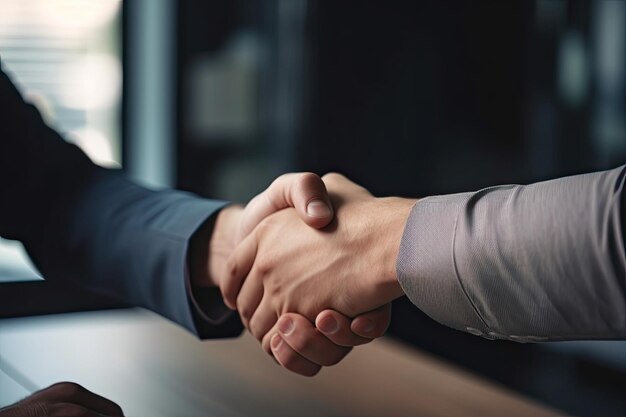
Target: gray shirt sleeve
(527, 263)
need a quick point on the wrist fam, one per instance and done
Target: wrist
(392, 224)
(222, 242)
(211, 245)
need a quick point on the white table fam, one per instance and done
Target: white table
(153, 368)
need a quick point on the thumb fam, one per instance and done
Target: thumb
(305, 192)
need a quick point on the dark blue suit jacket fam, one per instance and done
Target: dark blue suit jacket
(89, 226)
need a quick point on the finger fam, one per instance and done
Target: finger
(302, 336)
(265, 342)
(336, 327)
(70, 392)
(262, 320)
(249, 298)
(372, 324)
(238, 266)
(339, 183)
(305, 192)
(290, 359)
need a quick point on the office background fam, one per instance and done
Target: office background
(406, 98)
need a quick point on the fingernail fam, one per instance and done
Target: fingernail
(285, 326)
(318, 208)
(328, 325)
(367, 326)
(276, 341)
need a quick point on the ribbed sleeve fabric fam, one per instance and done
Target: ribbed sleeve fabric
(527, 263)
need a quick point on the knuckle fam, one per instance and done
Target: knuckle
(258, 335)
(256, 331)
(280, 179)
(306, 179)
(269, 197)
(227, 287)
(332, 177)
(276, 188)
(262, 326)
(274, 289)
(245, 310)
(231, 268)
(265, 265)
(245, 313)
(67, 389)
(308, 175)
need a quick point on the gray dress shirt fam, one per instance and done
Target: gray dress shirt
(527, 263)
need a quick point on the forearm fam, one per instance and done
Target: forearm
(538, 262)
(132, 243)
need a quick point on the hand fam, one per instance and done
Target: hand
(305, 192)
(306, 349)
(302, 348)
(349, 266)
(62, 400)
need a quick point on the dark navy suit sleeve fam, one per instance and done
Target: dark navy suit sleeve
(92, 227)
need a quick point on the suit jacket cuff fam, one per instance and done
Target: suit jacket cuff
(209, 317)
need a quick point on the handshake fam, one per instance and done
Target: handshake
(309, 264)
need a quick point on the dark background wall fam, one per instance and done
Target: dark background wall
(413, 98)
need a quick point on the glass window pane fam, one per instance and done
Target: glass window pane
(65, 57)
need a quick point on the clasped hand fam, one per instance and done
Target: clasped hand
(291, 267)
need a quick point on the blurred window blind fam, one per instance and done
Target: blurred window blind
(65, 58)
